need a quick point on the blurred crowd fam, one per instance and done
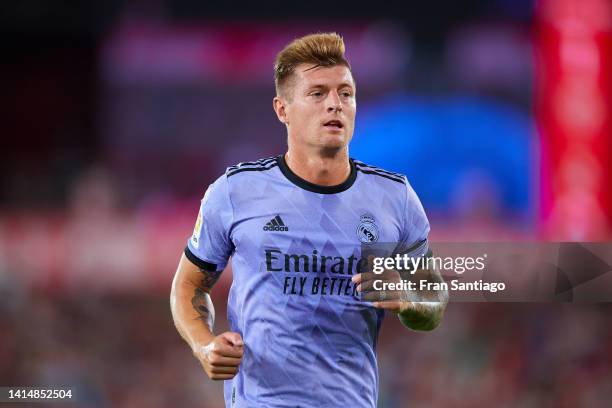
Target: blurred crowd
(117, 121)
(503, 355)
(121, 350)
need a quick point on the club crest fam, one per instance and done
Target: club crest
(367, 231)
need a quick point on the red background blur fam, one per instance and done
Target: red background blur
(117, 116)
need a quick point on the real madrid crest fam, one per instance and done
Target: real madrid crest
(367, 231)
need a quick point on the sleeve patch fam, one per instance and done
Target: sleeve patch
(195, 238)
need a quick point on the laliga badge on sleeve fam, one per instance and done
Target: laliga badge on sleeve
(196, 231)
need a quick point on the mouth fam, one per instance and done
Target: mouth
(333, 124)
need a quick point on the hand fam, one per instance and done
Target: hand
(379, 289)
(417, 309)
(222, 356)
(395, 306)
(383, 294)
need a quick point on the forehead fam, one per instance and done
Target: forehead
(312, 75)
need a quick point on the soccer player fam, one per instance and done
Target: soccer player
(294, 226)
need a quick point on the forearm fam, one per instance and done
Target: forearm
(193, 312)
(427, 307)
(422, 316)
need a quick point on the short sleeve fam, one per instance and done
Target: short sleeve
(210, 245)
(414, 237)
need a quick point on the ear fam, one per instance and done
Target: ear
(279, 105)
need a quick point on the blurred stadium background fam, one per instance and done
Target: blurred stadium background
(118, 114)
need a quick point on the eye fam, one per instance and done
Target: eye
(346, 93)
(316, 93)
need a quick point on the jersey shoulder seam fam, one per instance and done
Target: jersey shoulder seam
(257, 165)
(377, 171)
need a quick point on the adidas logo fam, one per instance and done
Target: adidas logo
(276, 224)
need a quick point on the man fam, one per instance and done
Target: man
(294, 226)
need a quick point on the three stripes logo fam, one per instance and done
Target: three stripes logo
(276, 224)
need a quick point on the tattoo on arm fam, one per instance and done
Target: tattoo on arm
(209, 279)
(421, 317)
(200, 304)
(429, 306)
(201, 299)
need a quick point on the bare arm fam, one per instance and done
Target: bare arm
(194, 316)
(192, 308)
(417, 309)
(424, 309)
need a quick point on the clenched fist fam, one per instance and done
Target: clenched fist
(222, 356)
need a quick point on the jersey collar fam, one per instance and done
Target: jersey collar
(316, 188)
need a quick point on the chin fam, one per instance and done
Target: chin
(333, 146)
(334, 141)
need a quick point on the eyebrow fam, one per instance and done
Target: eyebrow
(342, 85)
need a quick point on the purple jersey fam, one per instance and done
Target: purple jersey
(309, 339)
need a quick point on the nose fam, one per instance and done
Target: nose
(334, 104)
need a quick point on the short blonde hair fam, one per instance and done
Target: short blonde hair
(321, 49)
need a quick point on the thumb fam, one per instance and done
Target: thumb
(233, 338)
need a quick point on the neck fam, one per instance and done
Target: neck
(324, 168)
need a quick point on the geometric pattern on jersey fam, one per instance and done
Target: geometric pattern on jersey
(310, 341)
